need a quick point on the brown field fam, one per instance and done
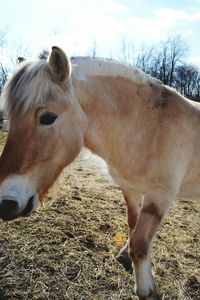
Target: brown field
(67, 249)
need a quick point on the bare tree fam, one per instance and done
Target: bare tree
(161, 61)
(187, 81)
(94, 49)
(166, 59)
(3, 69)
(2, 38)
(166, 62)
(3, 76)
(16, 48)
(144, 58)
(178, 50)
(127, 51)
(10, 50)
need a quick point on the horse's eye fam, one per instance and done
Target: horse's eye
(47, 118)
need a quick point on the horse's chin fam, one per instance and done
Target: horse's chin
(9, 218)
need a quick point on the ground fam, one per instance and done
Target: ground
(67, 249)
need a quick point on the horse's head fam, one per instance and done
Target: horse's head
(45, 132)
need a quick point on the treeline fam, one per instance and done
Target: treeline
(166, 61)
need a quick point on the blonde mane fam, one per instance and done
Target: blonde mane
(86, 66)
(32, 85)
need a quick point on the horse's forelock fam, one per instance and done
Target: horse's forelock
(29, 86)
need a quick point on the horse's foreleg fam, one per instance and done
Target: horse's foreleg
(155, 206)
(133, 202)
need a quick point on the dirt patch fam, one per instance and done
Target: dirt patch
(67, 249)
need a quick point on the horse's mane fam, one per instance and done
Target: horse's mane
(31, 84)
(109, 67)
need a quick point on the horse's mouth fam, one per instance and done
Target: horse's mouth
(9, 217)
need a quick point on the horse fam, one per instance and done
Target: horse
(146, 132)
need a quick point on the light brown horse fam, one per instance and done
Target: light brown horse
(146, 132)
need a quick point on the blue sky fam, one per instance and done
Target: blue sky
(75, 25)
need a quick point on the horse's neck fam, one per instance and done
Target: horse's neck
(107, 103)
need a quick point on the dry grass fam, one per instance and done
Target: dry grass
(67, 249)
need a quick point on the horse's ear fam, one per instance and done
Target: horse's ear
(20, 59)
(59, 66)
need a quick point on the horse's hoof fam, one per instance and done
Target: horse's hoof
(125, 261)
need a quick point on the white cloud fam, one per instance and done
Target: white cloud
(165, 22)
(113, 7)
(106, 22)
(149, 29)
(72, 44)
(107, 29)
(83, 29)
(177, 15)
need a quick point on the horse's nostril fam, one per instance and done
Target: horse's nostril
(28, 207)
(8, 209)
(9, 205)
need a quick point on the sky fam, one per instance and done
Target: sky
(76, 25)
